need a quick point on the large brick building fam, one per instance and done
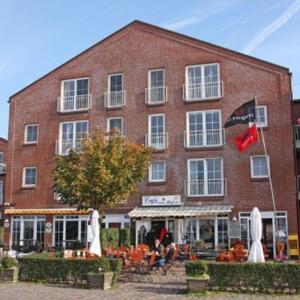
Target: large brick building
(171, 92)
(3, 149)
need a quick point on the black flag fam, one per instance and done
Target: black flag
(244, 114)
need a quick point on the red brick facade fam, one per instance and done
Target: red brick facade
(133, 51)
(3, 153)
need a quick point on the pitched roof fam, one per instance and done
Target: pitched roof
(161, 30)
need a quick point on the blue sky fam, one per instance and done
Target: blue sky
(37, 36)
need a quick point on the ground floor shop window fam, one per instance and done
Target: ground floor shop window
(268, 230)
(28, 232)
(70, 231)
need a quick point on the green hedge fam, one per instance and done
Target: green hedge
(59, 270)
(109, 237)
(249, 277)
(115, 237)
(196, 269)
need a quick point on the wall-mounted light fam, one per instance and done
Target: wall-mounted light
(6, 223)
(234, 219)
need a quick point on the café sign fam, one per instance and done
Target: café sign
(162, 200)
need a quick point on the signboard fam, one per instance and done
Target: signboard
(162, 200)
(234, 230)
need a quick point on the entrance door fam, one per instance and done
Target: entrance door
(267, 235)
(156, 227)
(71, 233)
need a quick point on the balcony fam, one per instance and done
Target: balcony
(114, 99)
(202, 92)
(2, 168)
(204, 138)
(158, 141)
(156, 95)
(74, 103)
(297, 136)
(205, 188)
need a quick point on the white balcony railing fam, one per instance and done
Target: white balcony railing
(205, 91)
(114, 99)
(2, 168)
(159, 141)
(205, 188)
(64, 147)
(156, 95)
(297, 135)
(204, 138)
(74, 103)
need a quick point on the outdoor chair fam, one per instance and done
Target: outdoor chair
(146, 269)
(171, 263)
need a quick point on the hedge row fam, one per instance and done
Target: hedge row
(249, 277)
(60, 270)
(115, 237)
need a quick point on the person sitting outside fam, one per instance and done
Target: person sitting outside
(159, 250)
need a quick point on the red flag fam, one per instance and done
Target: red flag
(244, 140)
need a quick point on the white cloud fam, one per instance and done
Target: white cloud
(176, 25)
(272, 27)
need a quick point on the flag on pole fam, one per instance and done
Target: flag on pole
(244, 140)
(244, 114)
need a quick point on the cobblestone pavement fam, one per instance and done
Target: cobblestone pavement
(163, 287)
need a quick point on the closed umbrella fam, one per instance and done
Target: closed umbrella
(256, 252)
(95, 234)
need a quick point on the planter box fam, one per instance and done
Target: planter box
(197, 284)
(101, 281)
(10, 274)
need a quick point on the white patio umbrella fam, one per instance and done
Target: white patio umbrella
(95, 234)
(256, 252)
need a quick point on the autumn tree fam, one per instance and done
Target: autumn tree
(103, 174)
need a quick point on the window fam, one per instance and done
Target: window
(115, 96)
(157, 135)
(205, 177)
(157, 171)
(1, 192)
(202, 82)
(75, 95)
(156, 87)
(71, 136)
(203, 129)
(29, 177)
(1, 158)
(116, 123)
(259, 167)
(261, 116)
(31, 133)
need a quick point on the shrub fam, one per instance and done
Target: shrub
(116, 267)
(109, 237)
(60, 270)
(196, 269)
(125, 239)
(8, 262)
(249, 277)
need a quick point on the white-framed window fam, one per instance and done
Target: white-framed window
(157, 137)
(115, 96)
(259, 166)
(71, 135)
(1, 192)
(29, 176)
(157, 171)
(205, 177)
(1, 158)
(202, 82)
(156, 87)
(117, 123)
(203, 128)
(261, 116)
(75, 94)
(31, 133)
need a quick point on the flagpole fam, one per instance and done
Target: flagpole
(270, 183)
